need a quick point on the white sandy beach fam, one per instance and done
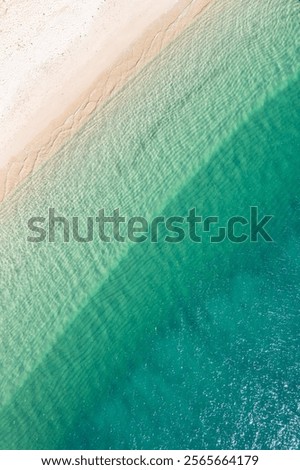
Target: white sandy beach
(60, 60)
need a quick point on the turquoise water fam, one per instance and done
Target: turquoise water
(166, 345)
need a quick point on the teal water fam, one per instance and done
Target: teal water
(166, 346)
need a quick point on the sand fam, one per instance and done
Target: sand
(61, 61)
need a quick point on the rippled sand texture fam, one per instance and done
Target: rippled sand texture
(165, 346)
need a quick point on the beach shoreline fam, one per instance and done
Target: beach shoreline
(71, 94)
